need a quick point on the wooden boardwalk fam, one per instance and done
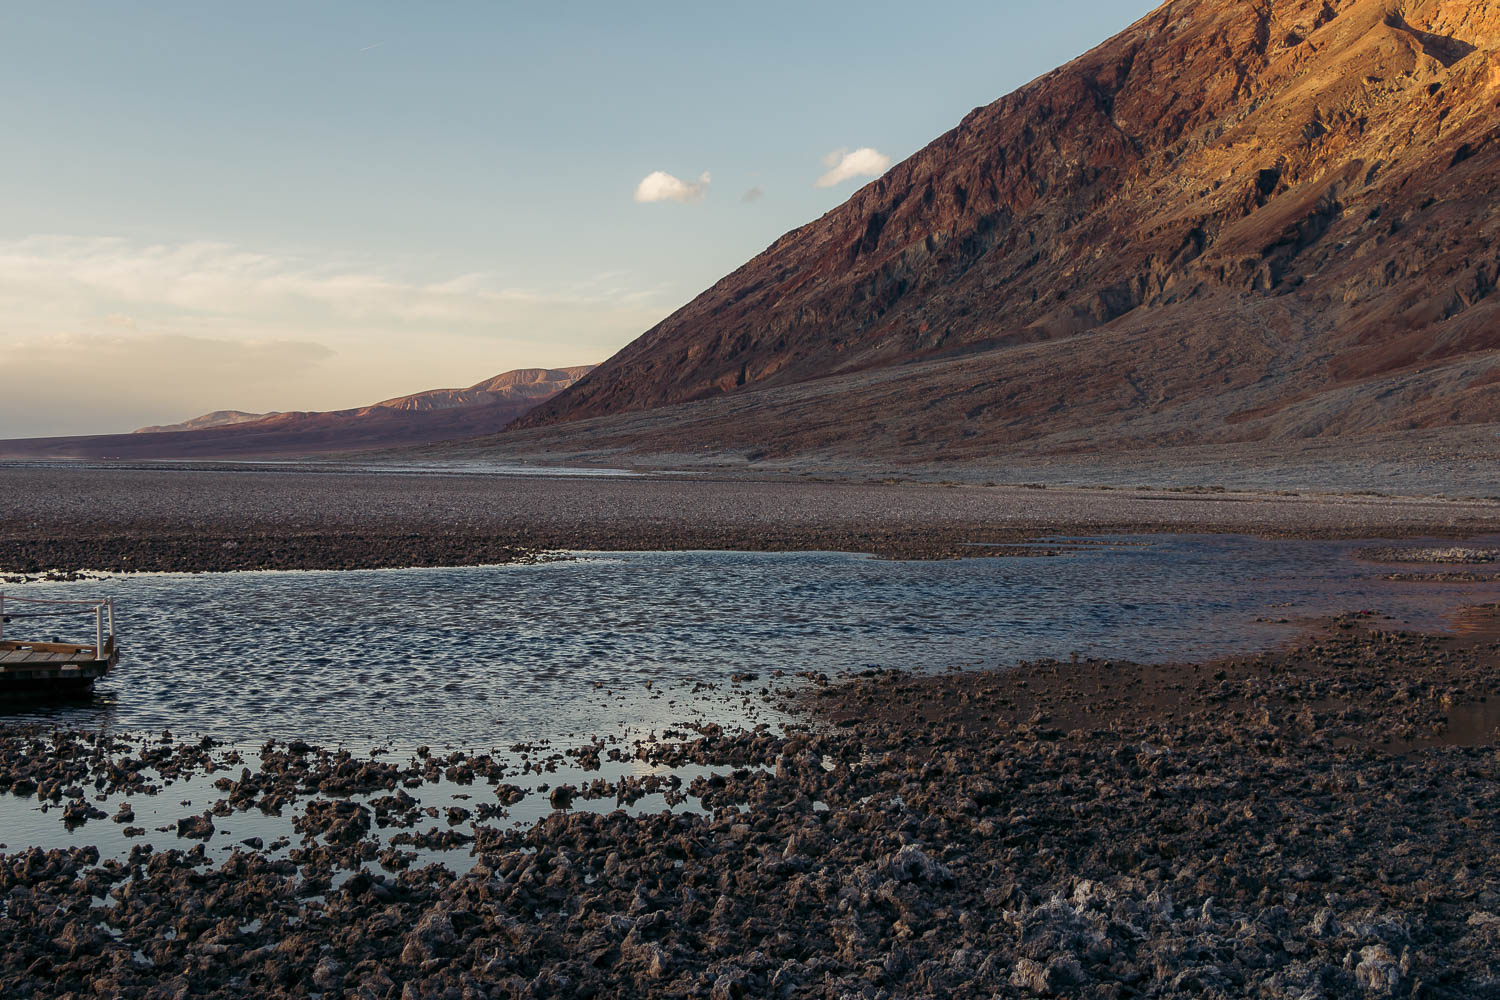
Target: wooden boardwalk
(30, 669)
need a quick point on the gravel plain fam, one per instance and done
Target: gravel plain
(226, 518)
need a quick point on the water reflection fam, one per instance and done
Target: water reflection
(474, 655)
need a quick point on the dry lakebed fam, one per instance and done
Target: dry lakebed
(939, 815)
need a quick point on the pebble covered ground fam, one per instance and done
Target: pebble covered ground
(59, 517)
(1317, 822)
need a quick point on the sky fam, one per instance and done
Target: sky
(316, 205)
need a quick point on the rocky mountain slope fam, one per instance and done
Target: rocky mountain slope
(1233, 222)
(422, 419)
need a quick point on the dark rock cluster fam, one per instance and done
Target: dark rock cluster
(1261, 834)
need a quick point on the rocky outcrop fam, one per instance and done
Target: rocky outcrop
(1237, 221)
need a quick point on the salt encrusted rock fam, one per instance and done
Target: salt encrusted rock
(1059, 974)
(432, 934)
(911, 864)
(329, 973)
(196, 827)
(1323, 924)
(1378, 971)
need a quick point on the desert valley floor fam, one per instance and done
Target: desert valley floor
(787, 773)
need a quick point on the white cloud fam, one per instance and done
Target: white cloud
(662, 186)
(844, 165)
(754, 194)
(49, 283)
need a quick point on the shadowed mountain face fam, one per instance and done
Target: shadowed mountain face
(1232, 222)
(421, 419)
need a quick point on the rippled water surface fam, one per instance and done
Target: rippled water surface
(475, 656)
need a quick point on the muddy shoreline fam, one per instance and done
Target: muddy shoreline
(213, 519)
(1315, 822)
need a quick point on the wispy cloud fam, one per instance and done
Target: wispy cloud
(662, 186)
(371, 48)
(845, 165)
(182, 328)
(754, 194)
(45, 279)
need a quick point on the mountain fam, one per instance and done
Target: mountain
(516, 387)
(218, 418)
(421, 419)
(520, 387)
(1233, 222)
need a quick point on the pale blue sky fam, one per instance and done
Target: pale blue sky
(314, 205)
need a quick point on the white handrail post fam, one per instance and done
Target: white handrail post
(110, 605)
(99, 631)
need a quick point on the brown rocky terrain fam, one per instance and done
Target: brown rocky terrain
(419, 419)
(1234, 223)
(1304, 825)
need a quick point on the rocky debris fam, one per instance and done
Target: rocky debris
(1254, 835)
(1378, 972)
(328, 974)
(196, 827)
(1462, 554)
(1451, 576)
(432, 936)
(434, 839)
(1328, 689)
(337, 821)
(910, 864)
(1057, 977)
(79, 811)
(510, 794)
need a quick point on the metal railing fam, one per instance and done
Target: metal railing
(104, 616)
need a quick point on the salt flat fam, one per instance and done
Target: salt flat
(248, 517)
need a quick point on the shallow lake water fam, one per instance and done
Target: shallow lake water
(26, 821)
(625, 645)
(481, 656)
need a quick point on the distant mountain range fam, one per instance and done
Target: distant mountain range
(519, 387)
(218, 418)
(420, 419)
(1233, 223)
